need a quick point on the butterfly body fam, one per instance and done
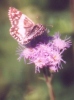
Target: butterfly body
(22, 28)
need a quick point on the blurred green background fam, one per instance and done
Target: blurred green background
(18, 80)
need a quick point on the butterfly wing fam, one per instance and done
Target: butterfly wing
(21, 25)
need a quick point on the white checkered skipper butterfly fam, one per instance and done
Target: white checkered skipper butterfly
(22, 28)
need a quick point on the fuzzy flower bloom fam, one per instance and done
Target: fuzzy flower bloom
(46, 54)
(59, 43)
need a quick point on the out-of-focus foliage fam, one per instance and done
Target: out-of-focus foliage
(44, 4)
(18, 80)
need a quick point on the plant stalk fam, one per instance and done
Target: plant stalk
(50, 88)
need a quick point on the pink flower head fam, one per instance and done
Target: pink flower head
(47, 54)
(61, 44)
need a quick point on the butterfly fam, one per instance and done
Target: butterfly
(23, 29)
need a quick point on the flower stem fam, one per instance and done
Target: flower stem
(49, 85)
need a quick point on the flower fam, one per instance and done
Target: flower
(61, 44)
(47, 53)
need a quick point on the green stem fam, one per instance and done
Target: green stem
(49, 84)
